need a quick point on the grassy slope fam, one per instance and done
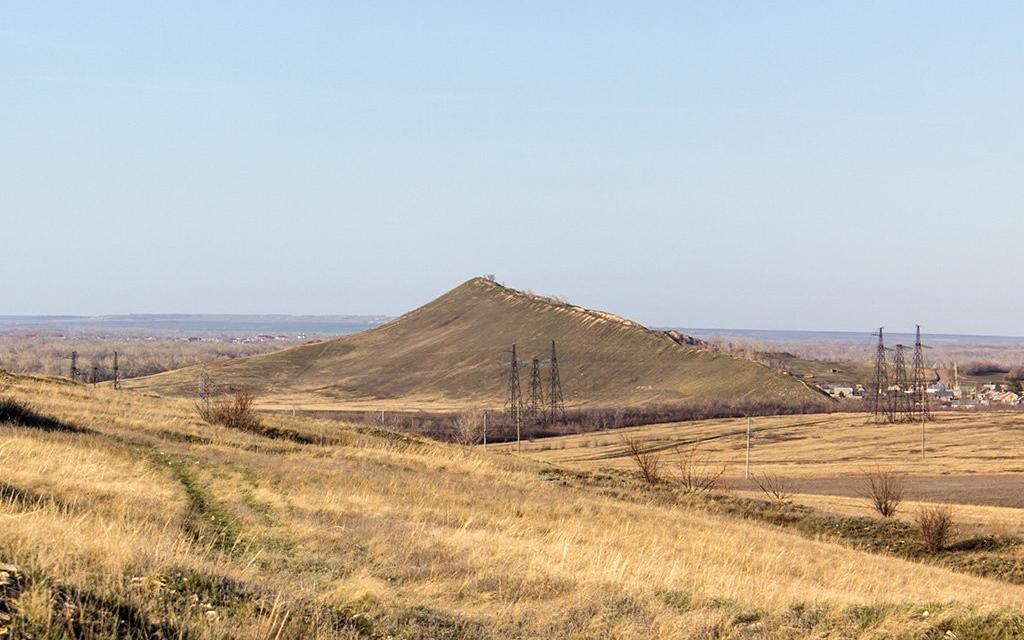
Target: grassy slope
(148, 516)
(447, 354)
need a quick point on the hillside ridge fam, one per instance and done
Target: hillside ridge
(447, 354)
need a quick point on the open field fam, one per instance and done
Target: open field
(814, 445)
(129, 517)
(970, 457)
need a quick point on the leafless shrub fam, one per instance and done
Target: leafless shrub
(469, 426)
(235, 410)
(776, 487)
(647, 462)
(935, 526)
(695, 472)
(884, 488)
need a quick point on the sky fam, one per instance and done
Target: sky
(815, 165)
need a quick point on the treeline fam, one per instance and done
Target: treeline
(991, 368)
(468, 427)
(137, 356)
(980, 359)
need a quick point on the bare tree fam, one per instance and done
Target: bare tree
(647, 462)
(469, 426)
(935, 525)
(695, 472)
(884, 489)
(776, 487)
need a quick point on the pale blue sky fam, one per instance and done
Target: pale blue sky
(786, 165)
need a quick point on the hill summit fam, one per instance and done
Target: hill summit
(449, 354)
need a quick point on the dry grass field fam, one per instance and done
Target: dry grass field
(972, 460)
(813, 446)
(127, 516)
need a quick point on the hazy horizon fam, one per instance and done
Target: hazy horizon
(361, 322)
(830, 165)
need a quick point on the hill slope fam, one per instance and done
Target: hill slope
(448, 354)
(125, 516)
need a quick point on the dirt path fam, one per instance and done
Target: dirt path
(1001, 490)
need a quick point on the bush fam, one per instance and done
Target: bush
(935, 526)
(776, 487)
(235, 411)
(694, 471)
(884, 488)
(647, 462)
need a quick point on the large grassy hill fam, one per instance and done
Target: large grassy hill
(448, 354)
(125, 516)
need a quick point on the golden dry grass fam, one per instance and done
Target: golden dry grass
(380, 534)
(812, 445)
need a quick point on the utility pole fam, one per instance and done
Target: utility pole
(922, 436)
(117, 373)
(556, 410)
(746, 469)
(920, 383)
(519, 432)
(204, 390)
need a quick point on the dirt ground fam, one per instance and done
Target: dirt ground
(997, 490)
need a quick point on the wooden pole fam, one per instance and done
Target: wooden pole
(519, 424)
(922, 435)
(746, 470)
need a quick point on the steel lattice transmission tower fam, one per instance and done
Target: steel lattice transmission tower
(73, 374)
(880, 405)
(902, 407)
(514, 396)
(921, 409)
(537, 410)
(556, 403)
